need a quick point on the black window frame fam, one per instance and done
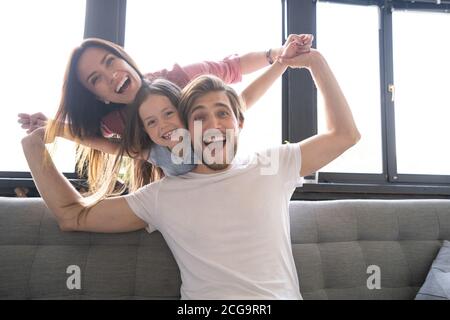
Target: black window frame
(300, 113)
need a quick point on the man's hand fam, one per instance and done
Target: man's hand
(39, 134)
(304, 60)
(31, 122)
(296, 44)
(35, 137)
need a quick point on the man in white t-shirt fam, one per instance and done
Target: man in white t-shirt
(227, 221)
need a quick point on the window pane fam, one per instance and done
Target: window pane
(422, 96)
(37, 39)
(158, 36)
(347, 35)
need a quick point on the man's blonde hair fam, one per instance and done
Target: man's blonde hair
(203, 85)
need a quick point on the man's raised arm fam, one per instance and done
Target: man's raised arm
(342, 133)
(66, 203)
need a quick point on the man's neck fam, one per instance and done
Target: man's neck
(203, 169)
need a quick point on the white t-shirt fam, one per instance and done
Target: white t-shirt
(229, 232)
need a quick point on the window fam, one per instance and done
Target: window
(353, 55)
(161, 33)
(390, 58)
(422, 100)
(33, 59)
(400, 104)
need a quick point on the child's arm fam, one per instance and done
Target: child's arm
(258, 87)
(254, 61)
(294, 46)
(32, 122)
(98, 143)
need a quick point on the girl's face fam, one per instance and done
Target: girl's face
(107, 76)
(160, 119)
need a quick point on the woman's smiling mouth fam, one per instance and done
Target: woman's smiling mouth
(123, 85)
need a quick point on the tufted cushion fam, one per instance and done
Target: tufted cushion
(333, 244)
(34, 256)
(335, 241)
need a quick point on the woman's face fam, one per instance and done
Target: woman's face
(107, 76)
(160, 119)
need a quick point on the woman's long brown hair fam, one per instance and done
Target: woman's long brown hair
(80, 112)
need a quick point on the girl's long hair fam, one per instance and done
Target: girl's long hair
(135, 143)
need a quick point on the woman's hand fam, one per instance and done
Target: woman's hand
(31, 122)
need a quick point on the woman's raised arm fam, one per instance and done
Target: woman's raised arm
(294, 46)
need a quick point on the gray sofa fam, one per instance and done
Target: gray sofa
(334, 243)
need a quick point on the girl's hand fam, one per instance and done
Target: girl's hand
(296, 44)
(31, 122)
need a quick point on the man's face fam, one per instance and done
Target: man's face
(212, 115)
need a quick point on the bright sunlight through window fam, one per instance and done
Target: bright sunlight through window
(37, 39)
(422, 96)
(161, 33)
(353, 54)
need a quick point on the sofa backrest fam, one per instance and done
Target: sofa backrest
(334, 243)
(337, 245)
